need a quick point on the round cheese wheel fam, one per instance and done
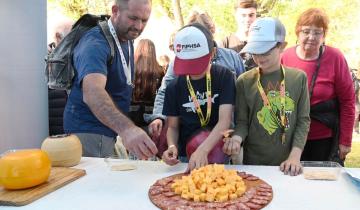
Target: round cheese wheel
(22, 169)
(64, 150)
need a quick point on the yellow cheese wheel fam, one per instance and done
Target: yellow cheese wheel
(64, 150)
(24, 168)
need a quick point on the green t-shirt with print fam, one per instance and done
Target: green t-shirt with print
(259, 127)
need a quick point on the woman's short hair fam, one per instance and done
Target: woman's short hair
(313, 16)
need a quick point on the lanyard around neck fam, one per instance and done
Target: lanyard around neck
(282, 121)
(203, 121)
(126, 66)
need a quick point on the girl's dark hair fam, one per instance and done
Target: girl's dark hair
(148, 72)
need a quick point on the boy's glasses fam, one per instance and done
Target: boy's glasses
(315, 33)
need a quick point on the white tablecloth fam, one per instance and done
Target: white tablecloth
(103, 189)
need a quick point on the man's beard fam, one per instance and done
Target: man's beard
(126, 35)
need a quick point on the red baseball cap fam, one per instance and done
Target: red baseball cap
(193, 45)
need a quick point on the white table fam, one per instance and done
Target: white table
(102, 189)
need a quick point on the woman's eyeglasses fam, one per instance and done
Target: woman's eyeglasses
(308, 32)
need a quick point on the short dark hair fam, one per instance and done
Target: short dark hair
(123, 4)
(245, 4)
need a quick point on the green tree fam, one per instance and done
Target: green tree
(75, 8)
(343, 17)
(222, 11)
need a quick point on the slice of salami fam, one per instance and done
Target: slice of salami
(197, 204)
(181, 208)
(183, 202)
(199, 208)
(244, 199)
(259, 201)
(264, 185)
(241, 173)
(169, 194)
(231, 207)
(268, 194)
(167, 203)
(176, 198)
(241, 206)
(155, 190)
(250, 192)
(253, 205)
(264, 190)
(265, 198)
(222, 204)
(157, 198)
(252, 178)
(211, 205)
(165, 181)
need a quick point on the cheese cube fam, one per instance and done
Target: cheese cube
(232, 196)
(196, 198)
(202, 196)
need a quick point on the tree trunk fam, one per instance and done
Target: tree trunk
(177, 13)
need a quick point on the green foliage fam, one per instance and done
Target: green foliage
(75, 8)
(163, 7)
(221, 11)
(343, 16)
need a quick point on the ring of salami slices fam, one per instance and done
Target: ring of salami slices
(257, 195)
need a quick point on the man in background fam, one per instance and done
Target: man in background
(57, 98)
(245, 15)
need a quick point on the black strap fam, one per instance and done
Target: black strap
(106, 31)
(313, 79)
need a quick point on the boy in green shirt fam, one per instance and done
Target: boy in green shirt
(272, 103)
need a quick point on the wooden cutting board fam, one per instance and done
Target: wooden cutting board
(59, 177)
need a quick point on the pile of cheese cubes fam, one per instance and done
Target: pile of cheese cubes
(210, 183)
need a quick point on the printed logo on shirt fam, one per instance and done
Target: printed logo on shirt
(272, 86)
(201, 97)
(270, 122)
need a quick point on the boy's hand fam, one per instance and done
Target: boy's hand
(291, 167)
(232, 145)
(197, 159)
(155, 128)
(170, 155)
